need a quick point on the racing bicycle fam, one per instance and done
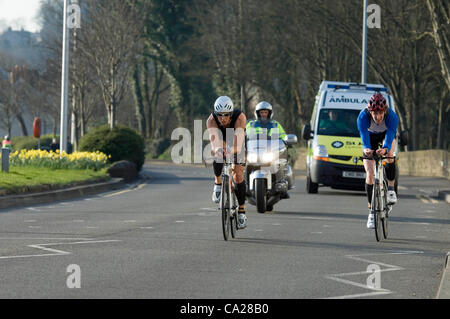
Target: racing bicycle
(228, 202)
(380, 207)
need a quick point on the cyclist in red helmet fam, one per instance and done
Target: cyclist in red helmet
(378, 124)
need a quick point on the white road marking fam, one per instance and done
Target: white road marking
(118, 193)
(427, 199)
(29, 221)
(375, 291)
(179, 221)
(125, 191)
(129, 221)
(368, 294)
(41, 238)
(146, 227)
(55, 252)
(423, 199)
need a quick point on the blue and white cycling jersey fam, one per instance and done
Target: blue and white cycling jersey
(367, 126)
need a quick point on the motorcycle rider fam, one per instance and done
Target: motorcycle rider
(263, 122)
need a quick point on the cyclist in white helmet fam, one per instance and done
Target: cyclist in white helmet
(226, 118)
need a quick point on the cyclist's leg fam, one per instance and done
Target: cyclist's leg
(390, 170)
(390, 164)
(217, 181)
(238, 176)
(217, 172)
(369, 167)
(375, 140)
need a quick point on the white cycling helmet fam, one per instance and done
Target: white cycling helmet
(223, 104)
(263, 106)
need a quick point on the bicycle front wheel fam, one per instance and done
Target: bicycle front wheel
(225, 207)
(376, 210)
(233, 218)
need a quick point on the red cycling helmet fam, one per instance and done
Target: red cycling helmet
(377, 103)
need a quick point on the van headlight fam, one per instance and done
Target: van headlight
(320, 153)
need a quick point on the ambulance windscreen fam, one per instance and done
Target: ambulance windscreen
(338, 122)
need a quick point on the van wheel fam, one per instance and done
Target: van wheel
(311, 188)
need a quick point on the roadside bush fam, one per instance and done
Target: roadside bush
(31, 143)
(155, 147)
(121, 143)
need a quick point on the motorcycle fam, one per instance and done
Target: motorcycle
(268, 173)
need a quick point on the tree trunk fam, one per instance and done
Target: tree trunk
(22, 124)
(55, 126)
(138, 100)
(440, 38)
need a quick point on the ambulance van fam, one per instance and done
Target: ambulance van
(334, 144)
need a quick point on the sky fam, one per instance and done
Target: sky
(19, 14)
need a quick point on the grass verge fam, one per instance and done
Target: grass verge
(29, 179)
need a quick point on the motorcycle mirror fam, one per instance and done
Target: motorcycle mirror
(290, 139)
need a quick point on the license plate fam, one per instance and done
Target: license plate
(354, 174)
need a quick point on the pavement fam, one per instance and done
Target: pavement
(423, 186)
(48, 196)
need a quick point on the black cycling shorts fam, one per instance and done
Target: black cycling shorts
(237, 160)
(376, 140)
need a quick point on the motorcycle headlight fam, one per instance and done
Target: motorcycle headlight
(252, 158)
(267, 157)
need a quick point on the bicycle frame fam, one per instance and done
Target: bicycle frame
(380, 207)
(229, 208)
(380, 182)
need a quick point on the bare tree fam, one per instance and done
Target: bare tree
(440, 19)
(109, 39)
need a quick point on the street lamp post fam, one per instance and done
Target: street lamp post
(64, 81)
(364, 44)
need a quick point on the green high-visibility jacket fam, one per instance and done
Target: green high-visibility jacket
(257, 127)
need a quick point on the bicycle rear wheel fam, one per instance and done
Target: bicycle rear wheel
(385, 219)
(225, 207)
(376, 210)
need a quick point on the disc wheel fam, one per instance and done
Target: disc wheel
(225, 207)
(385, 219)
